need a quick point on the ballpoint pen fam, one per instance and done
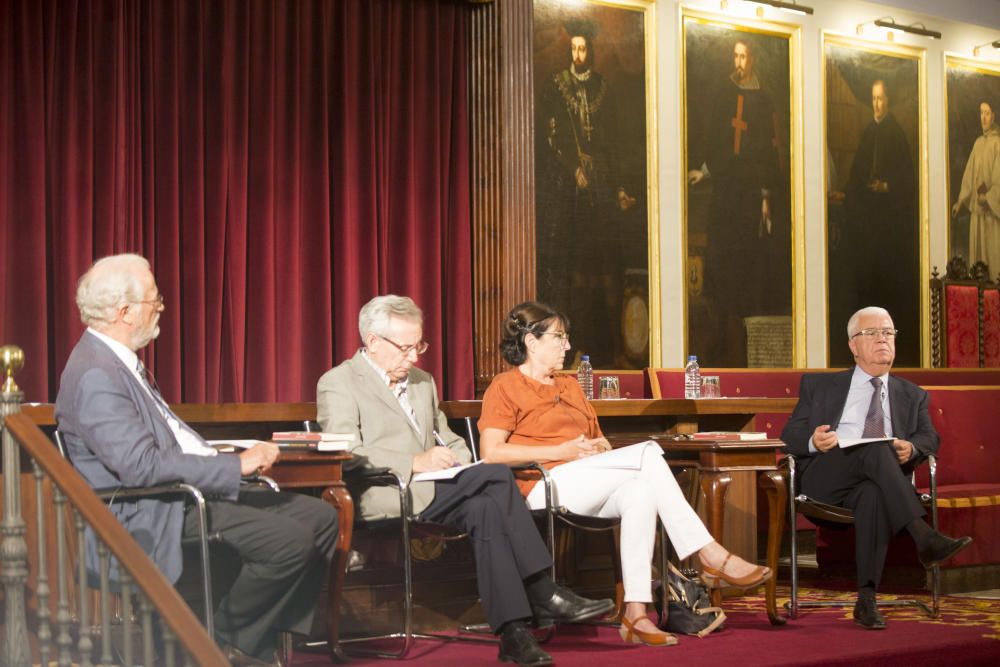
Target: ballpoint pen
(440, 443)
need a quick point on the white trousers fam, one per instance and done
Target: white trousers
(637, 497)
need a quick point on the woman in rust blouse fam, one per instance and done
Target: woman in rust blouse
(532, 414)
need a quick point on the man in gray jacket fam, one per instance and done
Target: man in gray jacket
(120, 432)
(392, 410)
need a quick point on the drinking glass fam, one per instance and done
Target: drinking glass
(609, 387)
(710, 386)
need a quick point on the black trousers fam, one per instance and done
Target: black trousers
(285, 542)
(868, 480)
(484, 502)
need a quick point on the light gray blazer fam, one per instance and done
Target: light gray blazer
(352, 398)
(115, 436)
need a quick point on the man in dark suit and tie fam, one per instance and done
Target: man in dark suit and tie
(120, 432)
(870, 479)
(391, 407)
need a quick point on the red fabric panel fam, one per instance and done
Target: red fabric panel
(771, 423)
(630, 385)
(939, 377)
(278, 163)
(835, 545)
(671, 382)
(772, 383)
(962, 321)
(975, 490)
(991, 327)
(967, 421)
(784, 382)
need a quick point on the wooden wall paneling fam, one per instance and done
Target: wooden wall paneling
(502, 169)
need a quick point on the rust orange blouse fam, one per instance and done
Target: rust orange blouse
(537, 414)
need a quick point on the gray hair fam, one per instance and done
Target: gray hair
(108, 284)
(374, 315)
(852, 324)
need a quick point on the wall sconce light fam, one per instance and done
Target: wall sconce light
(983, 49)
(784, 5)
(889, 24)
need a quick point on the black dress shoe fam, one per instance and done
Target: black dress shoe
(519, 646)
(565, 606)
(940, 548)
(866, 614)
(238, 658)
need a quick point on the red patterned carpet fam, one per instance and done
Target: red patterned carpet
(967, 633)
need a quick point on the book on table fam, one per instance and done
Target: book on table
(314, 440)
(729, 435)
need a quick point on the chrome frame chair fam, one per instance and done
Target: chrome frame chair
(204, 538)
(823, 512)
(409, 524)
(553, 512)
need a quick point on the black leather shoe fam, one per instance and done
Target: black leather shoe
(866, 614)
(940, 548)
(238, 658)
(565, 606)
(519, 646)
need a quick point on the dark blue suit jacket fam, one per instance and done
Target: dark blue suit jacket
(822, 397)
(116, 436)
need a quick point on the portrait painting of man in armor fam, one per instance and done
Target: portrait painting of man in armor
(593, 209)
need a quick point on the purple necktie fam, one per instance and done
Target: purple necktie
(875, 419)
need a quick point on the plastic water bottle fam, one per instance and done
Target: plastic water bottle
(692, 378)
(585, 376)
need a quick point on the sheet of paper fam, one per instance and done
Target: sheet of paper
(238, 444)
(854, 442)
(628, 458)
(447, 473)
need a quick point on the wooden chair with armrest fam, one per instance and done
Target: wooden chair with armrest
(819, 512)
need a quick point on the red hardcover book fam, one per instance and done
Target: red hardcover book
(295, 436)
(324, 442)
(729, 435)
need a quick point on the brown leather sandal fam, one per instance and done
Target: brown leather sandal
(713, 578)
(632, 636)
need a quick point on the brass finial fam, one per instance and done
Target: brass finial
(11, 361)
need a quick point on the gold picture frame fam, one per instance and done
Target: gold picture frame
(743, 219)
(969, 82)
(876, 180)
(596, 171)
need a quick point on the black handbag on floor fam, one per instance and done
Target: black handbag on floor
(689, 607)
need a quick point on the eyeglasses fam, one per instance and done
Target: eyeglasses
(158, 301)
(561, 335)
(419, 348)
(888, 334)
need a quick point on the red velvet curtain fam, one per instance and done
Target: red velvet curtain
(279, 163)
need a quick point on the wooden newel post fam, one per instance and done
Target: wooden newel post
(13, 548)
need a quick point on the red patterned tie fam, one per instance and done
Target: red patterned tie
(875, 419)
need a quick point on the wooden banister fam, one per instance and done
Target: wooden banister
(174, 611)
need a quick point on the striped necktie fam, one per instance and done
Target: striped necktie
(875, 419)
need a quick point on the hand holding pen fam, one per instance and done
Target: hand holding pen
(438, 457)
(441, 444)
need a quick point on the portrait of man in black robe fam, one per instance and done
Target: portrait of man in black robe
(874, 209)
(739, 208)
